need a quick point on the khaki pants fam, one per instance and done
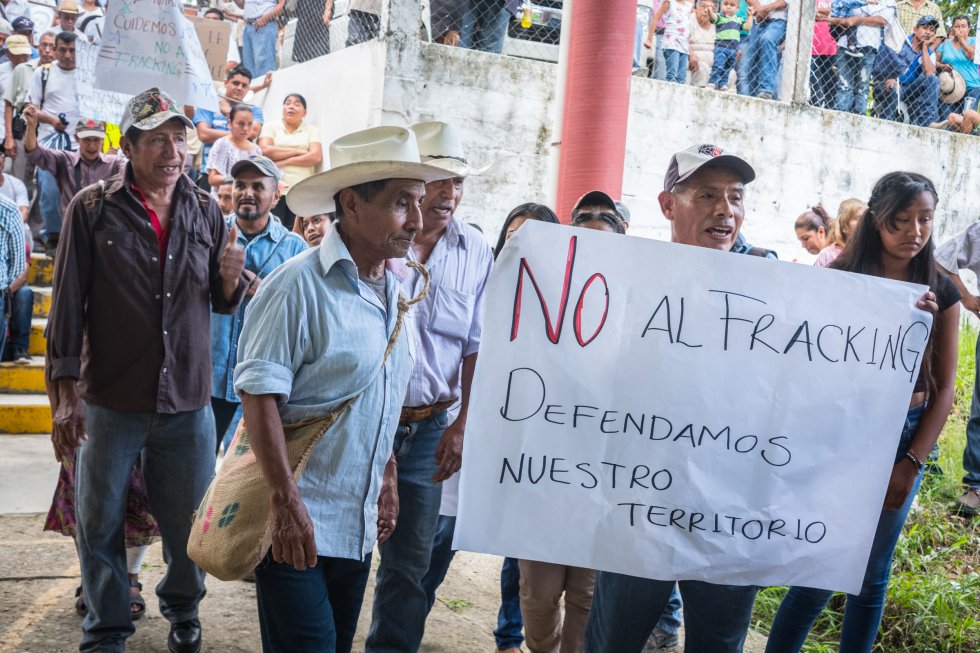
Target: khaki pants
(542, 585)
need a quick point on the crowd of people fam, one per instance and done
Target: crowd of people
(228, 308)
(256, 288)
(893, 56)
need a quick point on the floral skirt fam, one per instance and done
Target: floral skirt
(141, 527)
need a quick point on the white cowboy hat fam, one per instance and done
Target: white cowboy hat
(440, 146)
(368, 155)
(952, 87)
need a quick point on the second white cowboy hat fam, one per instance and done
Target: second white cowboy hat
(440, 146)
(368, 155)
(952, 87)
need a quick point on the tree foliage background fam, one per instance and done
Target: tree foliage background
(959, 7)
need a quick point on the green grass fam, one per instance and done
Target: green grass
(933, 603)
(457, 605)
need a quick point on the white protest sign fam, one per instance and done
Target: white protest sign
(92, 103)
(149, 43)
(675, 412)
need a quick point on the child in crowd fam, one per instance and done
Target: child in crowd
(702, 43)
(728, 29)
(676, 36)
(966, 123)
(848, 213)
(845, 9)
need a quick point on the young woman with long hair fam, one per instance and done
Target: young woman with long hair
(893, 239)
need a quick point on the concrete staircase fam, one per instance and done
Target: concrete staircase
(24, 404)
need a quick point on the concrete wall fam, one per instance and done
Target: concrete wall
(802, 155)
(501, 107)
(343, 90)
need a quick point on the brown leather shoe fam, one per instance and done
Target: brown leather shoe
(969, 503)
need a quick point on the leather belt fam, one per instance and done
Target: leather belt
(420, 413)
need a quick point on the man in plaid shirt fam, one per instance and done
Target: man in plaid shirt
(13, 260)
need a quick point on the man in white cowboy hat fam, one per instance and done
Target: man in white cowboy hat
(314, 337)
(428, 444)
(144, 259)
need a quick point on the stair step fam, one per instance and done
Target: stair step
(42, 301)
(20, 379)
(42, 270)
(24, 414)
(39, 344)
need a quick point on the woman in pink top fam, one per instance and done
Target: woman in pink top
(823, 79)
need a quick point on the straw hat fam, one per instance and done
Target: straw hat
(440, 146)
(952, 87)
(369, 155)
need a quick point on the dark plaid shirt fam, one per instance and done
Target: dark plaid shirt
(135, 333)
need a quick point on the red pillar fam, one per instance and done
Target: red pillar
(597, 94)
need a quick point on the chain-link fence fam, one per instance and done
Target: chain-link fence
(868, 59)
(724, 46)
(857, 63)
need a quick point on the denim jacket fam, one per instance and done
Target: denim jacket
(268, 250)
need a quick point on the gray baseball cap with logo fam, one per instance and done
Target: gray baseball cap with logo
(686, 163)
(264, 165)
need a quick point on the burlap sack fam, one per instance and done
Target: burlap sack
(230, 533)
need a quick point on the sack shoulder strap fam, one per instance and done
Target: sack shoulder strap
(334, 415)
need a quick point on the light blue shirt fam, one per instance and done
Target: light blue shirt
(267, 250)
(450, 318)
(314, 336)
(960, 63)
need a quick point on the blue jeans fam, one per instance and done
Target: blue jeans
(22, 310)
(921, 96)
(509, 619)
(676, 65)
(642, 24)
(853, 80)
(971, 454)
(670, 619)
(259, 48)
(823, 82)
(626, 608)
(484, 27)
(742, 67)
(49, 200)
(363, 26)
(946, 109)
(439, 560)
(862, 613)
(763, 59)
(398, 615)
(178, 463)
(310, 611)
(722, 66)
(658, 68)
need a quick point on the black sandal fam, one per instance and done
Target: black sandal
(137, 601)
(81, 609)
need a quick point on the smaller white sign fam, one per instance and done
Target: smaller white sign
(149, 43)
(92, 103)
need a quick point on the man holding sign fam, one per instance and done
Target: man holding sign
(144, 259)
(703, 199)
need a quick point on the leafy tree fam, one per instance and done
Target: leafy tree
(959, 7)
